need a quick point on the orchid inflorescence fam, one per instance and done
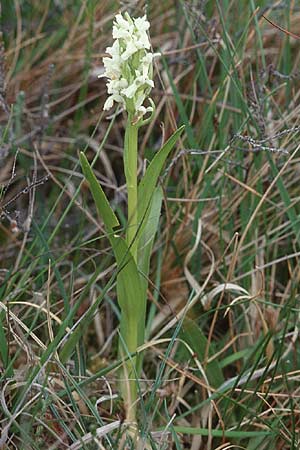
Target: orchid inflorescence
(129, 68)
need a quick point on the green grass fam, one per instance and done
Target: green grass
(225, 373)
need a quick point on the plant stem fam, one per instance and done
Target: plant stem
(130, 334)
(130, 169)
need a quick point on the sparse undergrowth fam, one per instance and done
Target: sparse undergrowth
(221, 361)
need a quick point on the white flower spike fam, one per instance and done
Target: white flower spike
(129, 68)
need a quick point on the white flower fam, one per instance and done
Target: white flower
(129, 68)
(114, 86)
(142, 23)
(114, 50)
(130, 91)
(131, 48)
(122, 27)
(112, 69)
(110, 100)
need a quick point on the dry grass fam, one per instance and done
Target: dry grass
(222, 357)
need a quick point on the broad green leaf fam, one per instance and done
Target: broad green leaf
(106, 213)
(130, 295)
(147, 238)
(129, 289)
(146, 243)
(149, 180)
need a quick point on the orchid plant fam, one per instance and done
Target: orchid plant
(129, 73)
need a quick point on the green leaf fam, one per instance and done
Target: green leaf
(129, 289)
(106, 213)
(149, 180)
(130, 295)
(146, 243)
(147, 238)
